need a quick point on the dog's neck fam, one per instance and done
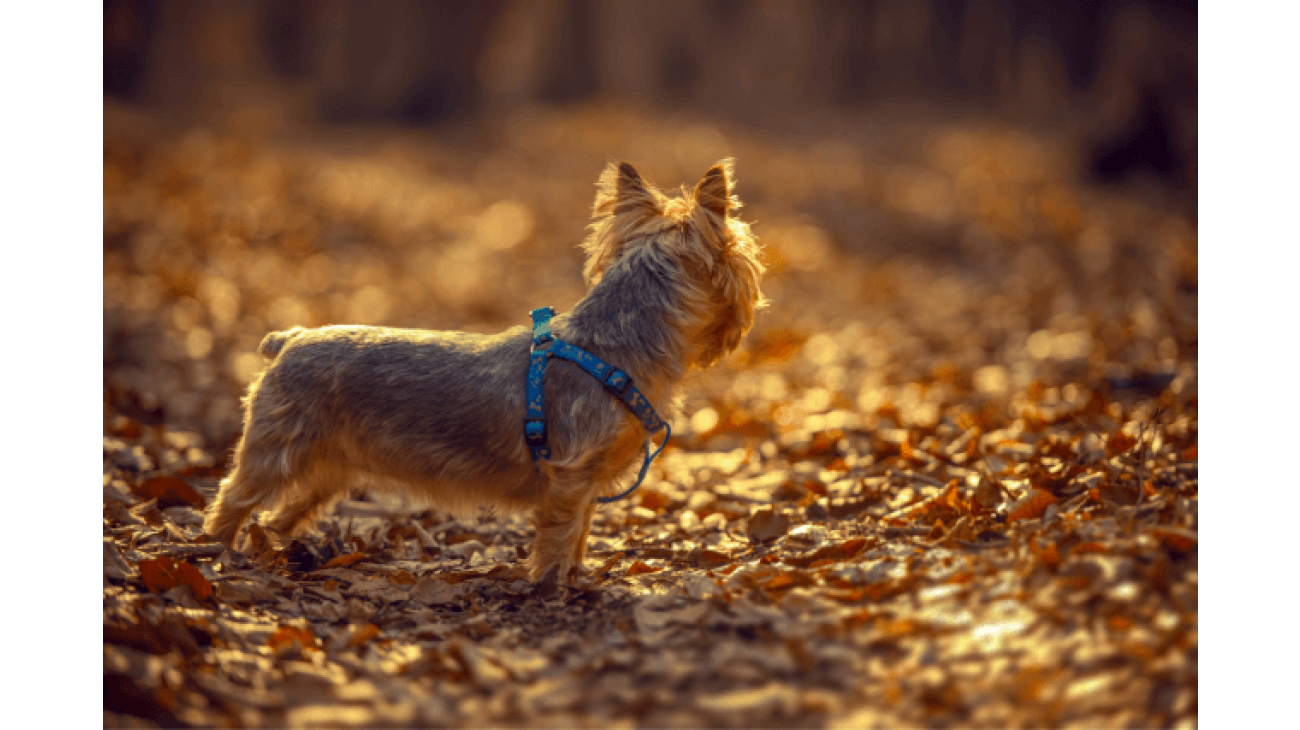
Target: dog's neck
(634, 318)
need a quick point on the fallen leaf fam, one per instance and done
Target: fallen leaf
(650, 617)
(852, 595)
(780, 581)
(433, 591)
(171, 492)
(639, 568)
(947, 503)
(709, 558)
(158, 574)
(1029, 506)
(402, 578)
(343, 561)
(1051, 557)
(188, 575)
(1119, 443)
(938, 530)
(651, 499)
(766, 525)
(115, 566)
(1178, 539)
(987, 495)
(363, 634)
(285, 636)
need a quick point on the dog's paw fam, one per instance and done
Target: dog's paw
(552, 572)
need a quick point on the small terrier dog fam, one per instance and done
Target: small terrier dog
(439, 416)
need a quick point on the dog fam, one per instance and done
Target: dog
(440, 416)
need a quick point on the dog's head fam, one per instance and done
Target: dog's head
(709, 254)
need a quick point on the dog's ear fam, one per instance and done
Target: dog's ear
(713, 193)
(624, 202)
(621, 189)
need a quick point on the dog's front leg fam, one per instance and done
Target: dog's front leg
(562, 521)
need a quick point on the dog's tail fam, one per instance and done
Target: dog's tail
(273, 343)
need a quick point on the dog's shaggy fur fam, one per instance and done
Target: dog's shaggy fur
(439, 415)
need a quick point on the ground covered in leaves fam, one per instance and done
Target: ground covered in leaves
(950, 479)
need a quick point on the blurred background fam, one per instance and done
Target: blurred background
(986, 195)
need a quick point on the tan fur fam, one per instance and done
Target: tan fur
(438, 416)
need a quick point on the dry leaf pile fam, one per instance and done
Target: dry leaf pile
(951, 482)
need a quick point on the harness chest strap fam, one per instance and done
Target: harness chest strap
(546, 346)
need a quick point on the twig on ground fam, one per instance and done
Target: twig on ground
(201, 550)
(1141, 463)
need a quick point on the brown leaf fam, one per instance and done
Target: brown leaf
(189, 575)
(987, 495)
(343, 561)
(1177, 539)
(242, 593)
(651, 499)
(158, 574)
(286, 635)
(171, 492)
(766, 525)
(402, 578)
(779, 582)
(639, 568)
(362, 635)
(851, 595)
(1119, 443)
(816, 487)
(709, 559)
(945, 504)
(828, 554)
(1088, 547)
(1029, 506)
(1051, 556)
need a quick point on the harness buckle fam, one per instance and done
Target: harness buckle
(618, 381)
(535, 432)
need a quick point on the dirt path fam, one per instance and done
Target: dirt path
(949, 480)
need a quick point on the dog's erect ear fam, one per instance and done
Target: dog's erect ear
(714, 191)
(621, 189)
(631, 187)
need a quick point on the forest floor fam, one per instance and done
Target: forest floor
(949, 479)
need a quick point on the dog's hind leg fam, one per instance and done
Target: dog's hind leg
(321, 486)
(279, 437)
(254, 481)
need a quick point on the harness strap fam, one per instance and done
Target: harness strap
(546, 346)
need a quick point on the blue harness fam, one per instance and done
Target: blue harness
(545, 347)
